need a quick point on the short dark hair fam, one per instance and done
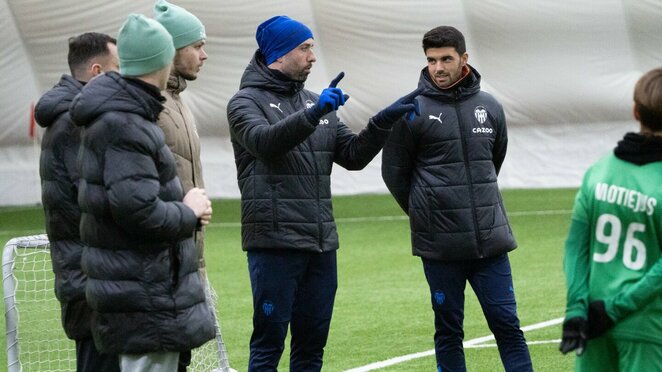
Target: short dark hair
(444, 36)
(86, 46)
(648, 99)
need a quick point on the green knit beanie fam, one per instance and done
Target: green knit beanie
(184, 27)
(143, 46)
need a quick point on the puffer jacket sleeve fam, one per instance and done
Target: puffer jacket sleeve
(354, 151)
(501, 142)
(251, 129)
(133, 185)
(398, 163)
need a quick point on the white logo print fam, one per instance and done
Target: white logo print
(481, 114)
(482, 130)
(438, 118)
(309, 103)
(276, 107)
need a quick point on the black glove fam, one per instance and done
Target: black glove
(599, 321)
(407, 104)
(330, 99)
(574, 336)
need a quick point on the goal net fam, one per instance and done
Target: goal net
(35, 338)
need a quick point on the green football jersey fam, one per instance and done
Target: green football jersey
(613, 251)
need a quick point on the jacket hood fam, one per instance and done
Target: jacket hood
(56, 101)
(258, 75)
(176, 83)
(112, 92)
(469, 86)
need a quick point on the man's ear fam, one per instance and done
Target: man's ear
(95, 69)
(635, 111)
(464, 58)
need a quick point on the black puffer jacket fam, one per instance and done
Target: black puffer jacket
(284, 161)
(140, 258)
(59, 192)
(442, 169)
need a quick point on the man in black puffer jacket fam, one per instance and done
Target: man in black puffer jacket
(442, 170)
(89, 55)
(140, 259)
(285, 141)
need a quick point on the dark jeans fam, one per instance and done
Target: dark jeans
(291, 288)
(88, 358)
(492, 282)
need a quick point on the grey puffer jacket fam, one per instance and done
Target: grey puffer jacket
(59, 193)
(284, 161)
(140, 258)
(442, 170)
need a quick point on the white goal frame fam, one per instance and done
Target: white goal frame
(35, 250)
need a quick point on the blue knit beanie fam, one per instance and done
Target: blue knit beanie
(280, 34)
(143, 46)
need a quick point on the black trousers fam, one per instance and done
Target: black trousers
(88, 359)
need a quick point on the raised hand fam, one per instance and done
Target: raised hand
(407, 104)
(330, 99)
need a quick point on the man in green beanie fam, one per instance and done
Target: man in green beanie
(176, 120)
(136, 222)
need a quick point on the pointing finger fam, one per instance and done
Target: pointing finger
(335, 81)
(410, 97)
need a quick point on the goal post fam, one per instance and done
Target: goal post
(34, 334)
(35, 339)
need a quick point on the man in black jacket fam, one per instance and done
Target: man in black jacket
(137, 224)
(89, 55)
(285, 141)
(442, 170)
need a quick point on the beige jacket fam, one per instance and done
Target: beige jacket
(181, 136)
(178, 124)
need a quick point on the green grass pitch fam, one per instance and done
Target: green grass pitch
(382, 308)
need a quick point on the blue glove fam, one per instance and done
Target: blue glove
(407, 104)
(330, 99)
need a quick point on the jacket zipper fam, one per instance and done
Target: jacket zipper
(274, 207)
(317, 189)
(467, 169)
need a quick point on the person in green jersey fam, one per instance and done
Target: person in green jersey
(613, 260)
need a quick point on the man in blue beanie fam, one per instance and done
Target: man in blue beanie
(285, 141)
(136, 222)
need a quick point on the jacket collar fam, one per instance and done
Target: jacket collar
(176, 83)
(258, 75)
(639, 149)
(467, 86)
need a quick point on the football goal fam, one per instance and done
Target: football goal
(35, 338)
